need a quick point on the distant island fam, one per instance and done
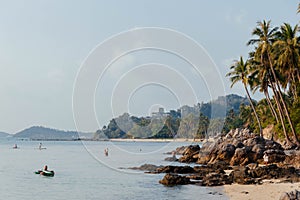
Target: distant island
(43, 133)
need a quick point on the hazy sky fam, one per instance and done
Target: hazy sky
(43, 44)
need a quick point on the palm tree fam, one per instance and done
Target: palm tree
(266, 37)
(286, 50)
(240, 72)
(259, 79)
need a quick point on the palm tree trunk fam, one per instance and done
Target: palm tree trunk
(283, 102)
(271, 105)
(289, 119)
(287, 138)
(252, 106)
(294, 87)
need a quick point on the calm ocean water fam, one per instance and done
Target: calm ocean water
(84, 172)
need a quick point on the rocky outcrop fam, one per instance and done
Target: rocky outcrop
(239, 147)
(174, 179)
(241, 152)
(207, 176)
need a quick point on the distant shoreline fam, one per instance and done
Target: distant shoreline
(126, 140)
(155, 140)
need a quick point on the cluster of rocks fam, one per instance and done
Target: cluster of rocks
(238, 147)
(232, 158)
(215, 175)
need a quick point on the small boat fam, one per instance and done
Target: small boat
(45, 173)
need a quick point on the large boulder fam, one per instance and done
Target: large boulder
(242, 156)
(225, 152)
(174, 179)
(190, 154)
(221, 152)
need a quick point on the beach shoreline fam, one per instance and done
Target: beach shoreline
(269, 190)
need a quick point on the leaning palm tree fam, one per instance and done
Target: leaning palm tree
(239, 72)
(266, 36)
(286, 51)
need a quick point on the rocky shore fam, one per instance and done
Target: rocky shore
(240, 157)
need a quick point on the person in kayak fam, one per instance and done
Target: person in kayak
(46, 172)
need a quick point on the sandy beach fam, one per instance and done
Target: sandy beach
(266, 191)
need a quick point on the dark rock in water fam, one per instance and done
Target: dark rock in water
(294, 195)
(174, 179)
(175, 169)
(146, 167)
(171, 159)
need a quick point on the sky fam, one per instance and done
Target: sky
(45, 44)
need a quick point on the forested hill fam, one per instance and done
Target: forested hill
(183, 122)
(223, 105)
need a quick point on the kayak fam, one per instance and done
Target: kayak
(45, 173)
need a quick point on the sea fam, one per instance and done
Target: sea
(83, 171)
